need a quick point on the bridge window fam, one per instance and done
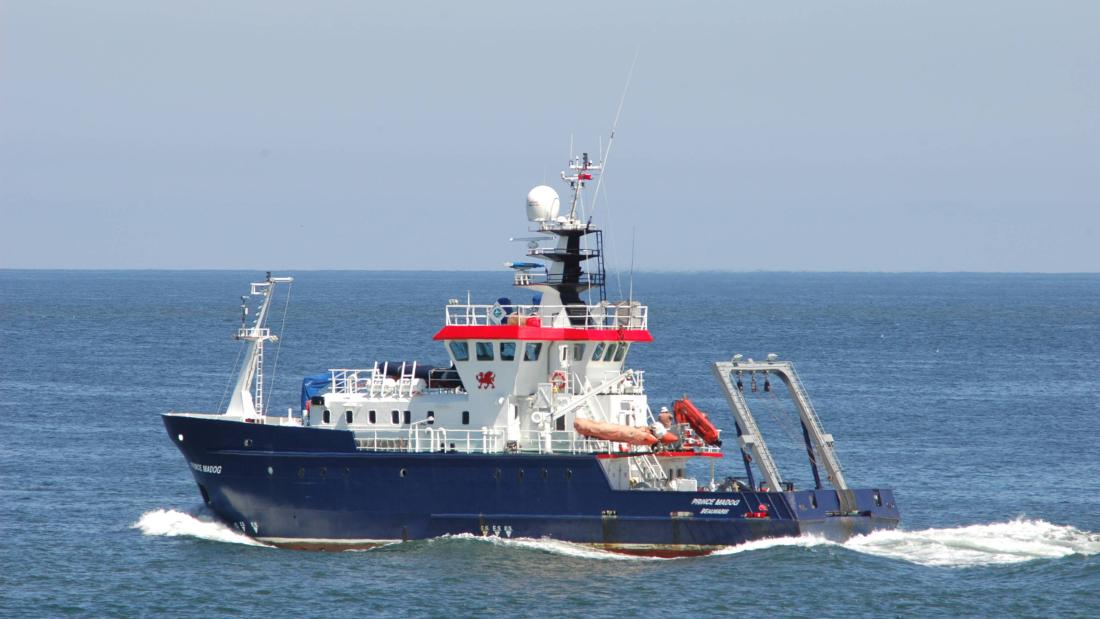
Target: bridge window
(531, 351)
(371, 416)
(619, 354)
(465, 418)
(395, 417)
(597, 354)
(461, 351)
(578, 352)
(507, 351)
(408, 417)
(611, 350)
(325, 416)
(348, 416)
(484, 351)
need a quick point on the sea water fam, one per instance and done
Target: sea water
(975, 397)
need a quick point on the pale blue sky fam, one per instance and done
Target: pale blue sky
(881, 136)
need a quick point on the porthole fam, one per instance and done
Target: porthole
(301, 473)
(270, 471)
(403, 472)
(569, 473)
(247, 442)
(545, 474)
(180, 437)
(324, 471)
(496, 474)
(519, 475)
(347, 472)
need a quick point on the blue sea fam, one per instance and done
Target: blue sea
(975, 396)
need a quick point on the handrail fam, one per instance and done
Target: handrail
(625, 315)
(424, 439)
(377, 383)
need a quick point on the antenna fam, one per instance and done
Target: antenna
(633, 235)
(614, 125)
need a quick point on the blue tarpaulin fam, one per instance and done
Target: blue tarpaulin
(314, 385)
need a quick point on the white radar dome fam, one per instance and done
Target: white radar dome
(543, 203)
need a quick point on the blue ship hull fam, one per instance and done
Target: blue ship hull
(311, 488)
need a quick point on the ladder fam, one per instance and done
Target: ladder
(649, 467)
(259, 397)
(407, 379)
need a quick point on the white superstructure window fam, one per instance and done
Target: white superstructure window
(460, 350)
(507, 351)
(531, 351)
(611, 350)
(597, 354)
(484, 351)
(619, 354)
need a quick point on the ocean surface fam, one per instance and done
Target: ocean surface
(976, 397)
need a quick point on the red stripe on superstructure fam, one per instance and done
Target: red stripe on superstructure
(518, 332)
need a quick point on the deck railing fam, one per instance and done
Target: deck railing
(423, 438)
(398, 381)
(611, 316)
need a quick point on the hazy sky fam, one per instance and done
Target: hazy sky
(929, 136)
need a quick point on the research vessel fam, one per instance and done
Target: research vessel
(535, 427)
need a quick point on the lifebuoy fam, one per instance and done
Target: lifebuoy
(558, 380)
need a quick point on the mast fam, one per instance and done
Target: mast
(248, 394)
(565, 278)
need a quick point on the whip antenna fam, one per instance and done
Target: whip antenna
(614, 125)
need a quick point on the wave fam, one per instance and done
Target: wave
(173, 523)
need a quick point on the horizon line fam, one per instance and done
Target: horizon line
(636, 271)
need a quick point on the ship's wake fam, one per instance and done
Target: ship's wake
(198, 524)
(998, 543)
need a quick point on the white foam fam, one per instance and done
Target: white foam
(998, 543)
(806, 541)
(172, 523)
(554, 546)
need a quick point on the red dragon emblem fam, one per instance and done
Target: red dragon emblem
(486, 380)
